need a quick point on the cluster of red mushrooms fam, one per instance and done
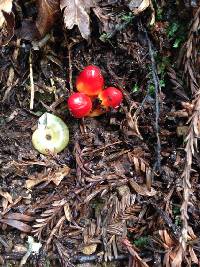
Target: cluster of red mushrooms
(92, 99)
(52, 134)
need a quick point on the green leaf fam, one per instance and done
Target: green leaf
(135, 88)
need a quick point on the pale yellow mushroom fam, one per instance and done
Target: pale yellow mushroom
(51, 136)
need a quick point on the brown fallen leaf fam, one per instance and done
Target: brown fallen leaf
(76, 12)
(142, 190)
(17, 224)
(18, 216)
(54, 176)
(168, 242)
(132, 122)
(67, 211)
(27, 31)
(6, 195)
(177, 261)
(7, 21)
(8, 31)
(7, 199)
(48, 11)
(5, 6)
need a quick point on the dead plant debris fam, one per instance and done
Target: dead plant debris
(126, 189)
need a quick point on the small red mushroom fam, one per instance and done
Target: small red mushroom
(111, 97)
(90, 81)
(79, 105)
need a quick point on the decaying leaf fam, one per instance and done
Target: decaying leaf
(5, 6)
(18, 216)
(63, 254)
(6, 195)
(89, 249)
(67, 211)
(17, 224)
(167, 240)
(7, 199)
(132, 122)
(55, 176)
(76, 12)
(142, 190)
(137, 6)
(103, 18)
(7, 31)
(48, 11)
(16, 220)
(177, 261)
(7, 21)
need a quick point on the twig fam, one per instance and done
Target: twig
(76, 259)
(92, 258)
(70, 67)
(31, 82)
(142, 104)
(157, 104)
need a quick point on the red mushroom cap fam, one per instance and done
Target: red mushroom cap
(90, 81)
(79, 105)
(111, 97)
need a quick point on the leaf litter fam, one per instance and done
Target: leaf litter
(126, 188)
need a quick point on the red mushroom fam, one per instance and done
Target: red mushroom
(111, 97)
(90, 81)
(79, 105)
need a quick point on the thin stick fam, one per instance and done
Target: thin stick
(70, 67)
(157, 104)
(31, 82)
(76, 259)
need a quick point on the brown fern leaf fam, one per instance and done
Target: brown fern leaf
(48, 219)
(192, 73)
(141, 166)
(63, 255)
(191, 147)
(120, 207)
(190, 58)
(110, 225)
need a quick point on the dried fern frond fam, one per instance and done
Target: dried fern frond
(191, 146)
(141, 166)
(64, 257)
(191, 72)
(49, 219)
(190, 58)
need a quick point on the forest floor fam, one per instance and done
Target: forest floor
(126, 189)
